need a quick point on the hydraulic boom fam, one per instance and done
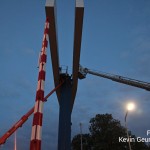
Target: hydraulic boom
(117, 78)
(23, 119)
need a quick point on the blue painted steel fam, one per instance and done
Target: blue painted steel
(64, 135)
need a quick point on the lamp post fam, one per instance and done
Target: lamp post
(81, 134)
(130, 107)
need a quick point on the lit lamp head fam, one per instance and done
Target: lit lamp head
(130, 106)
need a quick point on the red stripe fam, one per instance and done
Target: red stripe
(40, 95)
(47, 20)
(45, 43)
(35, 145)
(43, 58)
(37, 120)
(41, 75)
(46, 31)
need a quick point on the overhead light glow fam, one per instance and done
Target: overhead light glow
(130, 106)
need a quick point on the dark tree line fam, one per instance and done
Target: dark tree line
(104, 133)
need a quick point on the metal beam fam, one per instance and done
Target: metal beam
(79, 11)
(64, 134)
(50, 9)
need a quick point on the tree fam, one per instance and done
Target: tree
(86, 142)
(104, 135)
(105, 132)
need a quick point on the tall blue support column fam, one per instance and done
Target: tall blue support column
(64, 135)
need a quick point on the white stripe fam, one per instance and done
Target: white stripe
(40, 66)
(39, 132)
(43, 50)
(44, 37)
(40, 69)
(38, 85)
(47, 25)
(33, 132)
(47, 37)
(40, 109)
(42, 84)
(36, 107)
(44, 67)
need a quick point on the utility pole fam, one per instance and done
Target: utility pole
(127, 130)
(15, 142)
(81, 134)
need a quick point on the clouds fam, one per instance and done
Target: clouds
(116, 39)
(110, 97)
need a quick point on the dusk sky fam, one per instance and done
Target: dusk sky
(116, 39)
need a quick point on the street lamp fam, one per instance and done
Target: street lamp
(130, 107)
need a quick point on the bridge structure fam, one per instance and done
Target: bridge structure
(65, 84)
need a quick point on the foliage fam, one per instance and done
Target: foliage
(86, 142)
(105, 132)
(104, 135)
